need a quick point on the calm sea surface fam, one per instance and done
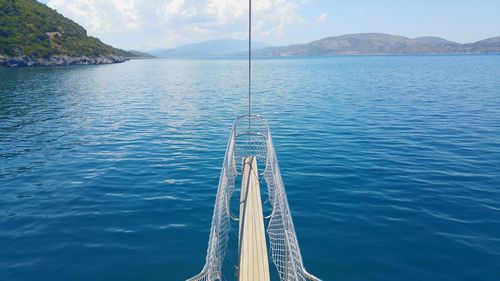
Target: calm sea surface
(391, 165)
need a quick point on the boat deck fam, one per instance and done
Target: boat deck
(253, 258)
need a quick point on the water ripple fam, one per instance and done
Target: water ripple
(391, 165)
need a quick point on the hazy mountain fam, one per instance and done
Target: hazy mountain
(140, 55)
(212, 48)
(33, 34)
(485, 46)
(380, 43)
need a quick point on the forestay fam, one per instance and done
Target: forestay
(250, 136)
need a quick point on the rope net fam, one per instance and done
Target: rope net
(254, 139)
(221, 223)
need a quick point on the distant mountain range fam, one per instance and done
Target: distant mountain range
(349, 44)
(32, 34)
(139, 55)
(212, 48)
(380, 44)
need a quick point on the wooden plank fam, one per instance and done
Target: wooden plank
(253, 264)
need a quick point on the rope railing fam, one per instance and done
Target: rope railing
(217, 243)
(285, 249)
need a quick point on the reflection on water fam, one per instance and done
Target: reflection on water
(391, 165)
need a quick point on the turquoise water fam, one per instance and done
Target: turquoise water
(391, 164)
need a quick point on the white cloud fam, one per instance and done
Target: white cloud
(323, 17)
(159, 23)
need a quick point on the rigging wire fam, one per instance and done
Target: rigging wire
(249, 63)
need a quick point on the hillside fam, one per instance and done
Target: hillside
(212, 48)
(485, 46)
(140, 55)
(380, 44)
(34, 34)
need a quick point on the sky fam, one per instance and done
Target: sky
(156, 24)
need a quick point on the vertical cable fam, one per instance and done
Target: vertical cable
(249, 62)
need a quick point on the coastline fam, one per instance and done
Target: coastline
(60, 60)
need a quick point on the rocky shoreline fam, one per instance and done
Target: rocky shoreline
(26, 61)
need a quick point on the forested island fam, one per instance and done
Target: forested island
(32, 34)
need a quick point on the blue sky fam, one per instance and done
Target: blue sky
(152, 24)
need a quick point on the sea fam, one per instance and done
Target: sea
(391, 165)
